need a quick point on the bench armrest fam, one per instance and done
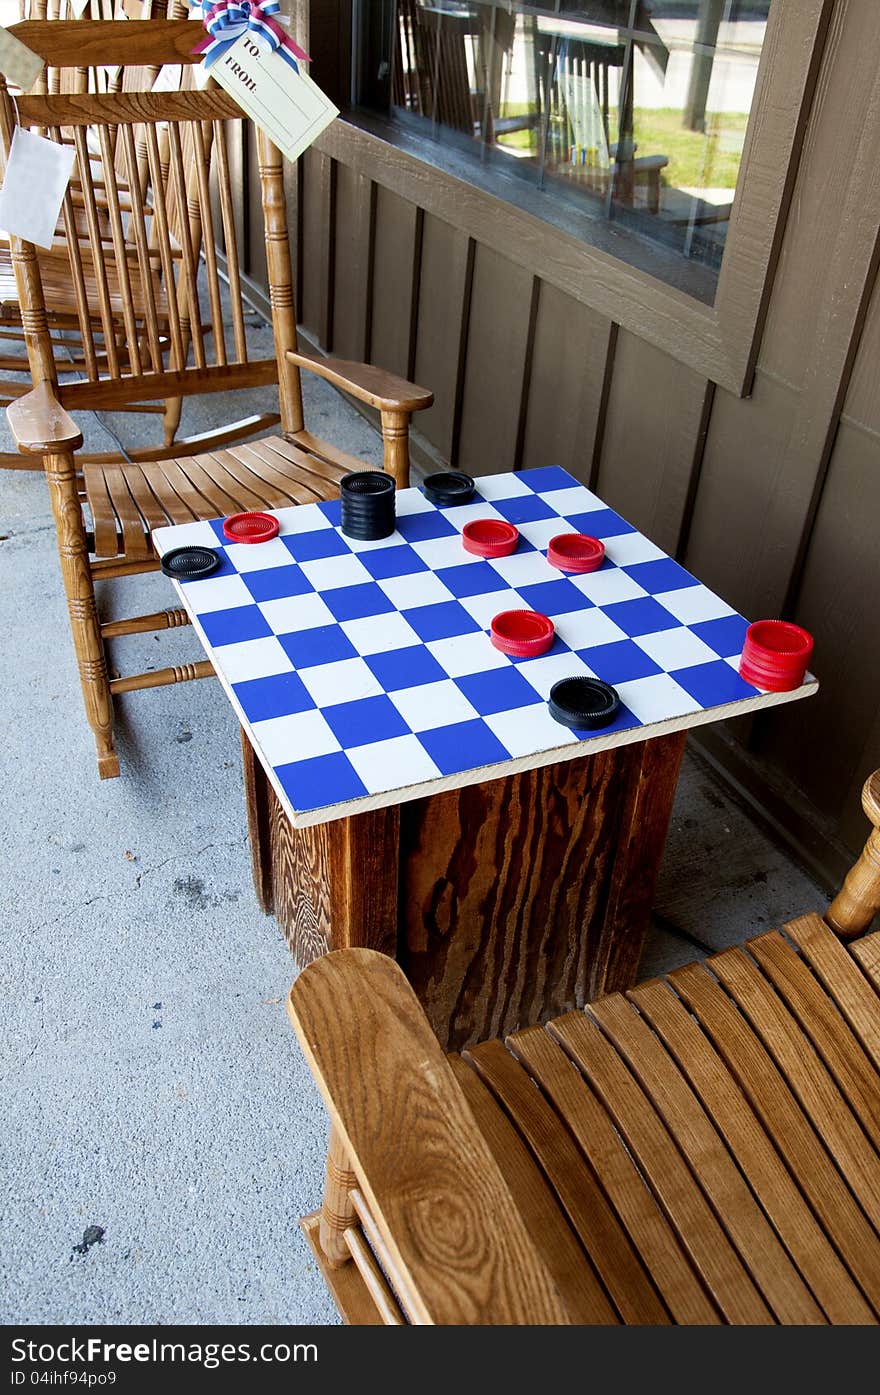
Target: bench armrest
(371, 385)
(40, 424)
(435, 1193)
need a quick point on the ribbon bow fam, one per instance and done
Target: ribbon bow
(228, 20)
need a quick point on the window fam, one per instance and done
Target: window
(621, 121)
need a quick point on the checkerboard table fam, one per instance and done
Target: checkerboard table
(363, 673)
(404, 776)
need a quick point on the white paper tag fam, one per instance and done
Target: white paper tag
(37, 174)
(19, 64)
(200, 75)
(288, 106)
(168, 78)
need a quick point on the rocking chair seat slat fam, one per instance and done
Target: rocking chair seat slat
(269, 474)
(656, 1156)
(59, 291)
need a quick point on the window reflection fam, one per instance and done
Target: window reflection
(629, 110)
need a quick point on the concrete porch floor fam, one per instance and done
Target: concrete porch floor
(151, 1083)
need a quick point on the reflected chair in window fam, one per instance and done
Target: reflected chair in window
(704, 1149)
(104, 513)
(431, 75)
(575, 81)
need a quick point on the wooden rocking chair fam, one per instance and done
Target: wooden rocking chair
(104, 513)
(60, 292)
(702, 1149)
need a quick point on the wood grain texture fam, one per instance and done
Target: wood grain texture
(646, 1228)
(535, 1201)
(769, 1094)
(80, 592)
(374, 386)
(834, 968)
(580, 1196)
(642, 1130)
(111, 42)
(111, 393)
(452, 1231)
(337, 1210)
(858, 900)
(257, 268)
(844, 1057)
(128, 501)
(866, 952)
(350, 1294)
(750, 1107)
(681, 1159)
(506, 900)
(38, 422)
(332, 886)
(713, 1167)
(531, 894)
(147, 107)
(374, 1278)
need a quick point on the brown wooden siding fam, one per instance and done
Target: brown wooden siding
(772, 499)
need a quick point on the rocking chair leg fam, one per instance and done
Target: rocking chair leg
(78, 585)
(858, 900)
(337, 1211)
(171, 418)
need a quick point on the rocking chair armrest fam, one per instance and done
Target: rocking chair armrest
(857, 902)
(367, 383)
(421, 1163)
(40, 424)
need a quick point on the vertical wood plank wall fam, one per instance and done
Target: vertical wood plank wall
(773, 500)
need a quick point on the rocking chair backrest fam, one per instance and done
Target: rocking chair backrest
(156, 319)
(78, 78)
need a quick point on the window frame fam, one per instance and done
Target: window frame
(720, 341)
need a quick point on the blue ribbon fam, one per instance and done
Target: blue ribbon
(228, 20)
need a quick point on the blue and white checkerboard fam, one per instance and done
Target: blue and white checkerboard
(364, 673)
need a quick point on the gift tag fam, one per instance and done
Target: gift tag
(19, 64)
(286, 104)
(37, 174)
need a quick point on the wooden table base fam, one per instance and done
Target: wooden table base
(505, 903)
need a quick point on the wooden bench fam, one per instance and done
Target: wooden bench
(702, 1149)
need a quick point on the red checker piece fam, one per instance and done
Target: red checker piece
(775, 655)
(250, 527)
(489, 537)
(522, 633)
(575, 552)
